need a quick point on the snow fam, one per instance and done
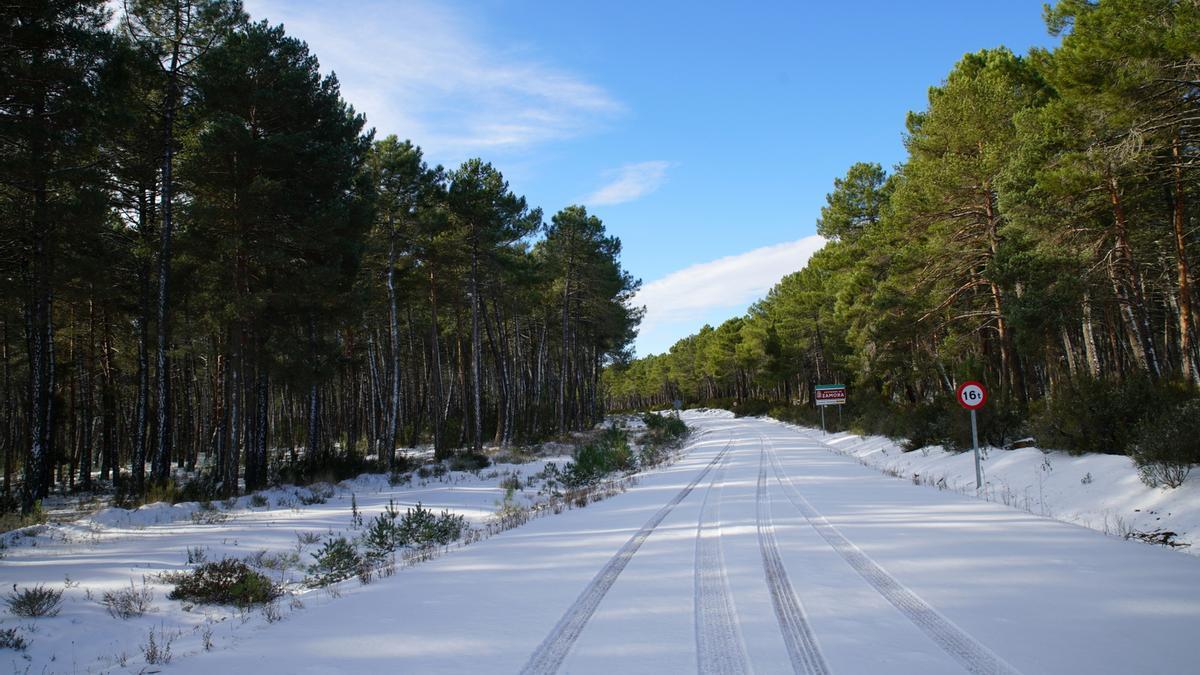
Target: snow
(115, 547)
(1100, 492)
(885, 575)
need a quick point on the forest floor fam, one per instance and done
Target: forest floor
(764, 548)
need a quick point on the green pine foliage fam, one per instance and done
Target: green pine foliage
(209, 255)
(594, 461)
(336, 561)
(384, 535)
(421, 528)
(1040, 236)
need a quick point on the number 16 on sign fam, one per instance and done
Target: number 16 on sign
(972, 396)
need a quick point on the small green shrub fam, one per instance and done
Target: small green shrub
(421, 528)
(337, 560)
(226, 582)
(469, 461)
(432, 471)
(258, 501)
(593, 461)
(384, 535)
(665, 425)
(1168, 446)
(662, 432)
(34, 602)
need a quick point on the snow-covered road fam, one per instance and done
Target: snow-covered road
(759, 551)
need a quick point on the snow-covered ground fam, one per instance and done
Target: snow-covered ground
(114, 548)
(762, 549)
(1101, 492)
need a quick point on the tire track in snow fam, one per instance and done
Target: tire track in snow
(798, 637)
(554, 649)
(966, 650)
(719, 647)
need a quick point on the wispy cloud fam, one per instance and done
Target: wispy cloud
(679, 303)
(629, 183)
(422, 71)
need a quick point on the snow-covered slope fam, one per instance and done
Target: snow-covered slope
(1101, 492)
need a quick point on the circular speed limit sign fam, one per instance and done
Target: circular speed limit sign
(972, 395)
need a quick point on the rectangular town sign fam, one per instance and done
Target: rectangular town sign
(830, 394)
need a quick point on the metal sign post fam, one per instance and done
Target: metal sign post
(975, 445)
(972, 395)
(829, 394)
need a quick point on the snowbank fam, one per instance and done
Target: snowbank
(1101, 492)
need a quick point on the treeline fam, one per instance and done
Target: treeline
(209, 263)
(1040, 236)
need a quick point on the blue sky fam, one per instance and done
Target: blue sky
(704, 134)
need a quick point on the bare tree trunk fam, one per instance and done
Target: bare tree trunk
(1089, 339)
(257, 477)
(10, 436)
(160, 464)
(476, 356)
(438, 416)
(108, 432)
(1178, 221)
(393, 415)
(1127, 287)
(234, 423)
(39, 335)
(141, 415)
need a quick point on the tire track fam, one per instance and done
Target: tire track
(554, 649)
(798, 637)
(966, 650)
(719, 647)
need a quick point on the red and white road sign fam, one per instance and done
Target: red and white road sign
(972, 395)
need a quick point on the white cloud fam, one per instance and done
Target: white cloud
(631, 182)
(421, 71)
(679, 303)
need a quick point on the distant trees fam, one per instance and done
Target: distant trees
(1040, 235)
(186, 184)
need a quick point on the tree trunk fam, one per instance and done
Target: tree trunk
(476, 356)
(1089, 339)
(438, 416)
(393, 415)
(1178, 220)
(141, 414)
(39, 334)
(1127, 287)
